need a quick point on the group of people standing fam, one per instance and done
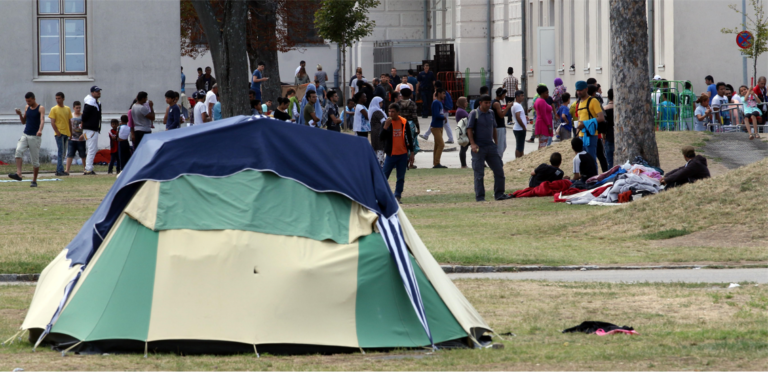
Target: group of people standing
(75, 133)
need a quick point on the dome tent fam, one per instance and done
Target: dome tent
(230, 238)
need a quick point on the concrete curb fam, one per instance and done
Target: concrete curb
(493, 269)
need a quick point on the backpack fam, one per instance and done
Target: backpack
(461, 129)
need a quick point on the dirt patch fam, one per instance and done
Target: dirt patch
(719, 237)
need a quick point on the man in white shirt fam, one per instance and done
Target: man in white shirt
(200, 112)
(211, 99)
(301, 64)
(358, 77)
(521, 123)
(718, 100)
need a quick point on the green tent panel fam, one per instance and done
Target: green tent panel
(384, 314)
(115, 300)
(253, 201)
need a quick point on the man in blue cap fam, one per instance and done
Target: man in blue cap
(589, 114)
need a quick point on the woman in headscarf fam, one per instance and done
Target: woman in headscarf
(557, 94)
(377, 116)
(304, 101)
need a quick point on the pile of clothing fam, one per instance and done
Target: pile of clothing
(621, 184)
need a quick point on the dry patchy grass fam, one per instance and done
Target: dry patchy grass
(682, 326)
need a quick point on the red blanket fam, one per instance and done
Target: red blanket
(546, 189)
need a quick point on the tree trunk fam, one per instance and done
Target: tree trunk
(633, 113)
(227, 42)
(264, 48)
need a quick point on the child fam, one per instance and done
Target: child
(543, 117)
(266, 109)
(584, 164)
(565, 118)
(256, 107)
(349, 114)
(76, 145)
(666, 111)
(113, 156)
(172, 118)
(293, 106)
(123, 148)
(545, 172)
(751, 112)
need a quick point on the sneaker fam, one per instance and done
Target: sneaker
(15, 176)
(90, 173)
(480, 200)
(439, 166)
(504, 197)
(531, 140)
(33, 184)
(449, 142)
(65, 174)
(423, 137)
(398, 200)
(59, 173)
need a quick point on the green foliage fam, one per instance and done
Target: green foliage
(757, 24)
(666, 234)
(345, 21)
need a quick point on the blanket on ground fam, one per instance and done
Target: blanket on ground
(545, 189)
(583, 198)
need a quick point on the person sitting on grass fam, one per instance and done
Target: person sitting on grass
(695, 169)
(584, 165)
(548, 172)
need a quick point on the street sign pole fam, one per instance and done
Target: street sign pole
(744, 25)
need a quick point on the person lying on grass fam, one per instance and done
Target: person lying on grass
(695, 169)
(548, 172)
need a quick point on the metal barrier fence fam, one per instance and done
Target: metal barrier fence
(673, 105)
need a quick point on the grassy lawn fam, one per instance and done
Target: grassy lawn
(722, 220)
(681, 326)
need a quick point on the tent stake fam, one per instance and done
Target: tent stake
(361, 351)
(12, 338)
(146, 348)
(63, 353)
(257, 351)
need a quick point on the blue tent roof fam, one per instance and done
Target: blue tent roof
(324, 161)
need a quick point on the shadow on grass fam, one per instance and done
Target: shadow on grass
(666, 234)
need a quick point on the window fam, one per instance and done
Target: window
(541, 13)
(551, 13)
(61, 37)
(561, 35)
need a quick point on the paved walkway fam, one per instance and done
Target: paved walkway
(735, 149)
(758, 275)
(450, 157)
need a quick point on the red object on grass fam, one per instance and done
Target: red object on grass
(545, 189)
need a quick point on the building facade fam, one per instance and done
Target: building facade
(67, 46)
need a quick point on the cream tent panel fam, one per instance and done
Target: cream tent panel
(254, 288)
(143, 206)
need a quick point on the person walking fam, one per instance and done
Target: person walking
(482, 134)
(410, 111)
(521, 123)
(60, 116)
(206, 81)
(91, 127)
(172, 118)
(33, 119)
(544, 114)
(438, 122)
(256, 79)
(143, 114)
(321, 78)
(76, 129)
(499, 115)
(510, 84)
(461, 113)
(377, 117)
(183, 79)
(398, 144)
(427, 89)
